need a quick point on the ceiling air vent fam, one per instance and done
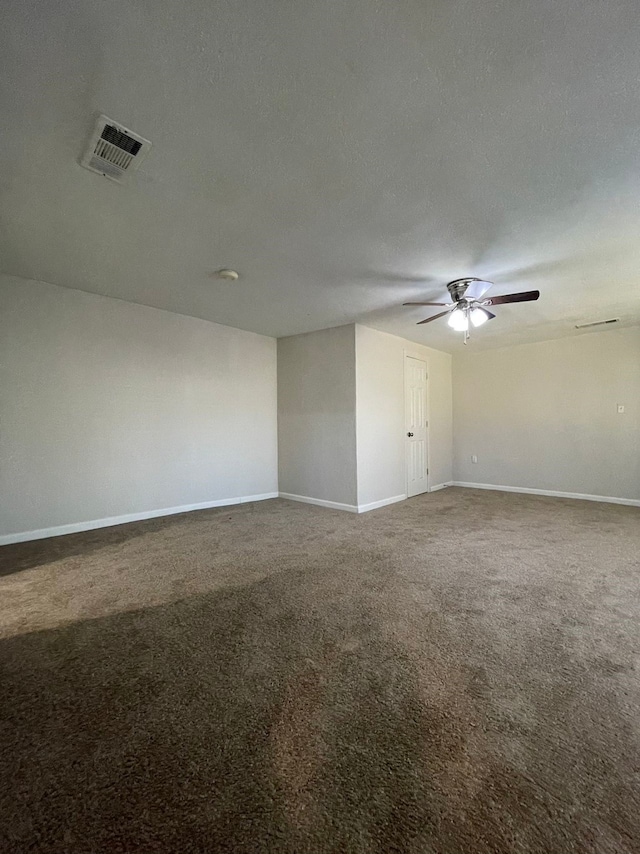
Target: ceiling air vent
(597, 323)
(114, 150)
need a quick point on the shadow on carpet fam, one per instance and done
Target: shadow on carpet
(307, 713)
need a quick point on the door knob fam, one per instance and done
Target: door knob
(409, 435)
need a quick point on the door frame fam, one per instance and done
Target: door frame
(409, 352)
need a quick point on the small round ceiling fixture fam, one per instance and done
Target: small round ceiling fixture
(225, 273)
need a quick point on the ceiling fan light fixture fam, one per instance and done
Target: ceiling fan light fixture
(458, 320)
(479, 316)
(469, 306)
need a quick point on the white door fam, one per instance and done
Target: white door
(415, 407)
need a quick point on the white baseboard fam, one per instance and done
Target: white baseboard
(320, 502)
(608, 499)
(335, 505)
(76, 527)
(364, 508)
(440, 486)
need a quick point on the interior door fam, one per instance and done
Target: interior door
(415, 405)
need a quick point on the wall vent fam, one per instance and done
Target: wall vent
(114, 150)
(597, 323)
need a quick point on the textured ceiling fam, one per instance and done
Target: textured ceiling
(343, 156)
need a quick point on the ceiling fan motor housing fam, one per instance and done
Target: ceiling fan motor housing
(458, 288)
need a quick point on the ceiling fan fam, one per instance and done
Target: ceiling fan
(470, 305)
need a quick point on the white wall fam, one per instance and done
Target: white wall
(543, 416)
(380, 414)
(317, 415)
(110, 408)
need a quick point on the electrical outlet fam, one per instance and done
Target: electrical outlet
(620, 409)
(474, 459)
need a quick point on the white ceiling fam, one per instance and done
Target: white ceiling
(343, 156)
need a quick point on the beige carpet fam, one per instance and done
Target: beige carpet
(454, 674)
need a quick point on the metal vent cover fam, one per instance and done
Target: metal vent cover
(114, 150)
(597, 323)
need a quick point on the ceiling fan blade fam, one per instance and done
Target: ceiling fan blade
(490, 313)
(428, 303)
(525, 296)
(435, 317)
(476, 289)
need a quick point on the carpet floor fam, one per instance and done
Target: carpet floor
(458, 673)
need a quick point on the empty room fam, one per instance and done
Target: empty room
(320, 427)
